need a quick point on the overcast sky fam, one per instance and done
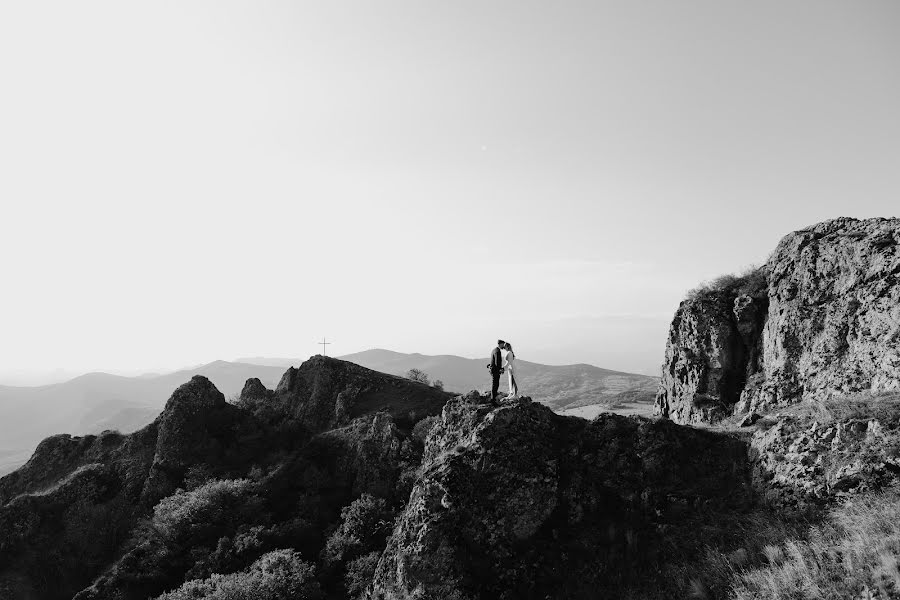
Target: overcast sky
(185, 181)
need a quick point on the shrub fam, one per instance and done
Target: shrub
(438, 384)
(753, 281)
(187, 515)
(423, 428)
(364, 526)
(360, 573)
(278, 575)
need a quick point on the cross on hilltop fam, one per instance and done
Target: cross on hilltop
(323, 344)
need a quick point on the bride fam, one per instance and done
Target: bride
(508, 361)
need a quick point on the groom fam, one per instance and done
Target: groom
(496, 368)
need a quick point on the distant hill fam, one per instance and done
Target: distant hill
(560, 387)
(97, 401)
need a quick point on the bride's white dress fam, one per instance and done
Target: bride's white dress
(508, 364)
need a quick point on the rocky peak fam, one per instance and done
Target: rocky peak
(196, 395)
(826, 323)
(254, 390)
(325, 392)
(196, 427)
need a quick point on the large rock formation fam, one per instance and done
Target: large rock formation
(324, 393)
(331, 431)
(518, 502)
(826, 323)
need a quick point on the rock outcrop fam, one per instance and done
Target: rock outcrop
(330, 432)
(197, 429)
(518, 502)
(711, 342)
(827, 323)
(324, 393)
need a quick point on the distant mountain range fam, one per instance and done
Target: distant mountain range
(98, 401)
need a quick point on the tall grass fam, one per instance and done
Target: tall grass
(854, 553)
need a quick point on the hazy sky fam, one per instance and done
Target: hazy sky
(185, 181)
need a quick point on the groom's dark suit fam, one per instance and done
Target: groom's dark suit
(496, 368)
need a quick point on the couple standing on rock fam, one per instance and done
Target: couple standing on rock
(499, 364)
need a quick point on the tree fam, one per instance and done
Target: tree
(438, 384)
(417, 375)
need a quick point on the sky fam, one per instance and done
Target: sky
(184, 181)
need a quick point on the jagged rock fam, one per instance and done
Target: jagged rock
(704, 362)
(827, 325)
(254, 390)
(197, 427)
(799, 464)
(518, 502)
(324, 393)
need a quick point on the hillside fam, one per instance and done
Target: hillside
(559, 387)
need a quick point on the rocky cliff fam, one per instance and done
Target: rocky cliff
(820, 319)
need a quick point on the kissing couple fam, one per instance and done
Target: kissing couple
(501, 362)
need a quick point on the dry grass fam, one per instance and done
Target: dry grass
(863, 406)
(852, 554)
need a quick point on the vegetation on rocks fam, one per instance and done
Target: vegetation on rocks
(277, 575)
(752, 281)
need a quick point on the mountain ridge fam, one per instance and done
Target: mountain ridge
(96, 401)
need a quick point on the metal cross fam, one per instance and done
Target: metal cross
(323, 344)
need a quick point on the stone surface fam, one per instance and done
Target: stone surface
(254, 390)
(828, 326)
(196, 428)
(800, 463)
(707, 355)
(518, 502)
(749, 419)
(324, 393)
